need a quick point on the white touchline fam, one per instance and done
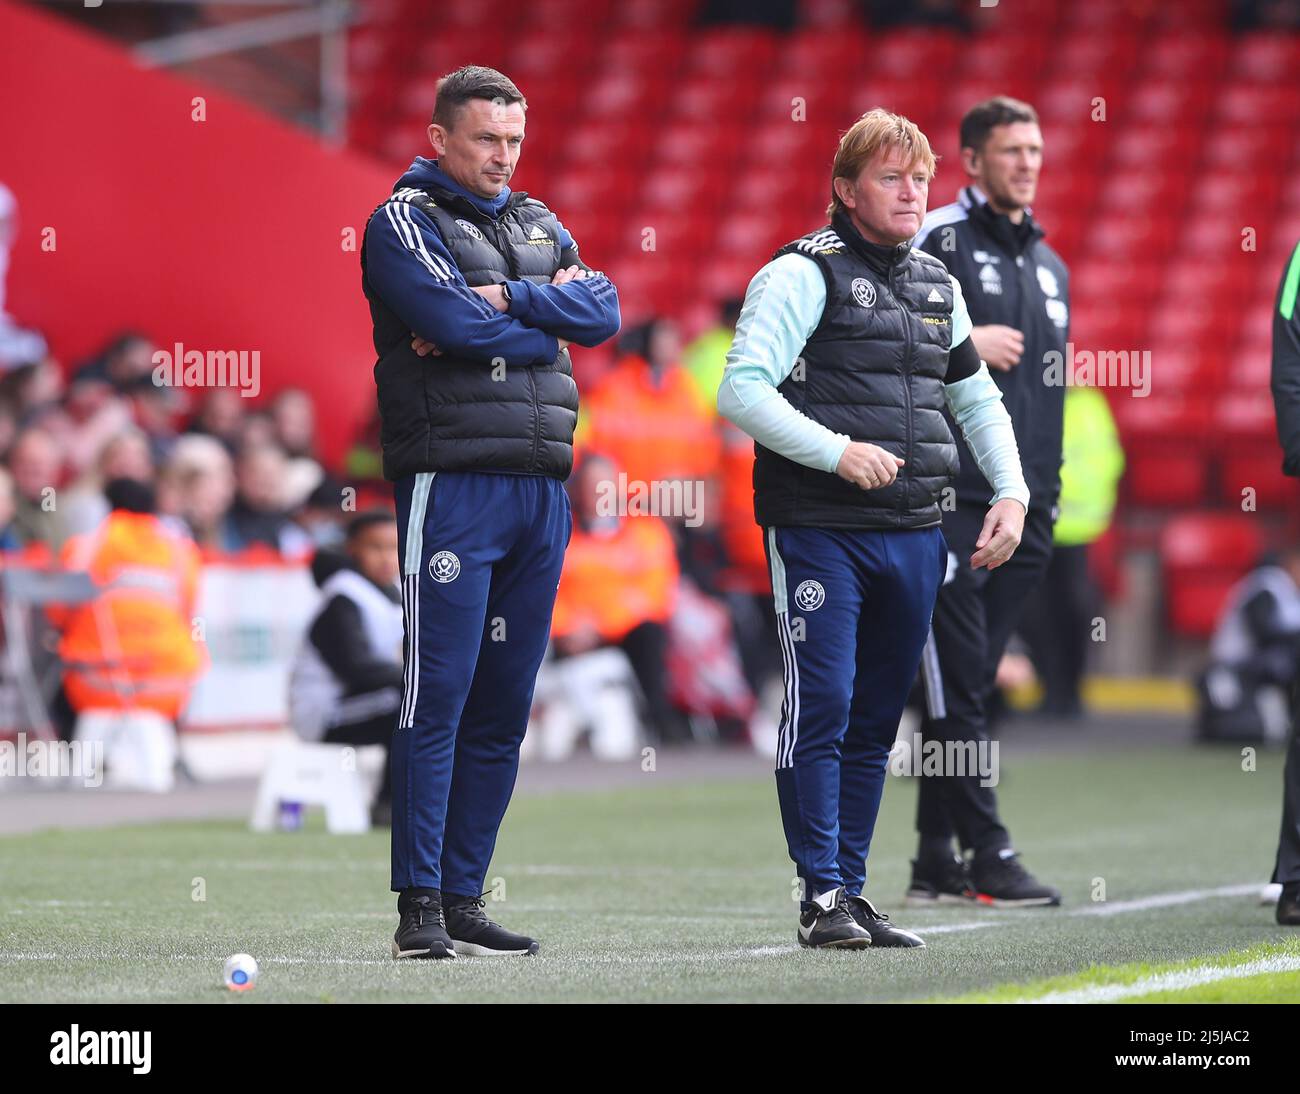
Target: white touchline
(1165, 900)
(1170, 981)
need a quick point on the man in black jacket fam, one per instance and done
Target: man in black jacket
(1017, 290)
(1286, 399)
(477, 418)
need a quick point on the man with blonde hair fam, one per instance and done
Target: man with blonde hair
(850, 343)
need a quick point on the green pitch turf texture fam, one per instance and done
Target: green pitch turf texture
(673, 890)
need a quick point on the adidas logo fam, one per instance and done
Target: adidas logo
(538, 235)
(824, 242)
(935, 297)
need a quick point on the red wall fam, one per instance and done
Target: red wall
(223, 234)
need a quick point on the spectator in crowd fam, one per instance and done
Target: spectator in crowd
(322, 516)
(93, 414)
(618, 587)
(1255, 651)
(133, 647)
(197, 487)
(259, 513)
(17, 345)
(363, 464)
(154, 410)
(221, 415)
(126, 456)
(9, 538)
(37, 467)
(346, 682)
(294, 420)
(126, 359)
(645, 413)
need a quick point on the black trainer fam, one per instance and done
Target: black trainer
(999, 880)
(1288, 905)
(828, 925)
(877, 924)
(422, 931)
(474, 935)
(939, 881)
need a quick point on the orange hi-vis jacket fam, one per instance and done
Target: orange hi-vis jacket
(133, 646)
(616, 582)
(741, 537)
(651, 431)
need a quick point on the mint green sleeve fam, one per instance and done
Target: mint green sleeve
(783, 305)
(961, 324)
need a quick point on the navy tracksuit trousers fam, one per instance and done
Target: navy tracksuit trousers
(853, 610)
(481, 555)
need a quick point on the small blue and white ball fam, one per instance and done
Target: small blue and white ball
(240, 972)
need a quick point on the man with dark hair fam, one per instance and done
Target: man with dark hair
(1286, 400)
(345, 686)
(1017, 291)
(477, 418)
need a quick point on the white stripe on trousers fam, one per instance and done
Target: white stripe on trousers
(790, 724)
(411, 683)
(420, 492)
(788, 731)
(933, 677)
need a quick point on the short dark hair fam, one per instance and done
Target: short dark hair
(368, 518)
(130, 495)
(472, 82)
(982, 118)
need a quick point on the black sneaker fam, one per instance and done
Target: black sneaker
(422, 931)
(475, 935)
(1288, 905)
(936, 881)
(999, 880)
(876, 924)
(828, 925)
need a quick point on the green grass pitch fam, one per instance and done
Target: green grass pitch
(673, 890)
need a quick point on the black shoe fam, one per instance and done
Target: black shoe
(1288, 905)
(423, 930)
(475, 935)
(828, 925)
(876, 924)
(938, 881)
(999, 880)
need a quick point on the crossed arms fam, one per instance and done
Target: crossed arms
(411, 268)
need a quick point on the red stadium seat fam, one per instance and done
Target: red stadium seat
(1203, 556)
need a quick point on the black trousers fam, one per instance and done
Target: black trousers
(374, 717)
(1057, 627)
(974, 617)
(1287, 868)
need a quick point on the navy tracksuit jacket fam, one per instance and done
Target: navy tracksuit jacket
(481, 554)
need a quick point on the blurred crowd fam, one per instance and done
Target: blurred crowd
(233, 476)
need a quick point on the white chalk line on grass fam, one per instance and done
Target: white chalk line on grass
(1118, 907)
(1175, 980)
(1164, 900)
